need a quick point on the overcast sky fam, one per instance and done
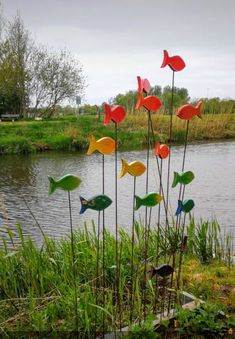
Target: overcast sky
(116, 40)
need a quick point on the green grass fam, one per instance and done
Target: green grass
(71, 133)
(36, 284)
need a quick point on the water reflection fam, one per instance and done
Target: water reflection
(26, 176)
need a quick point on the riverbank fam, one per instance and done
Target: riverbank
(37, 291)
(71, 133)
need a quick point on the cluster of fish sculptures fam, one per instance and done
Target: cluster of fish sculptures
(106, 146)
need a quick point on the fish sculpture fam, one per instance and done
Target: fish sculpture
(143, 85)
(116, 114)
(186, 206)
(183, 178)
(187, 112)
(184, 243)
(105, 145)
(164, 271)
(176, 63)
(135, 168)
(66, 183)
(97, 203)
(151, 103)
(161, 150)
(149, 200)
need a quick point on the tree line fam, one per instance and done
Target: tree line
(180, 97)
(33, 78)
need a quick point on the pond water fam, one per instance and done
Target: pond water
(213, 189)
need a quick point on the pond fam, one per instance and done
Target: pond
(26, 177)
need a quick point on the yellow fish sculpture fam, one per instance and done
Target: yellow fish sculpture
(135, 168)
(105, 145)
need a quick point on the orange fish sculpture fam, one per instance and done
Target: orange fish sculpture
(116, 114)
(161, 150)
(143, 85)
(151, 103)
(135, 168)
(187, 112)
(176, 63)
(105, 145)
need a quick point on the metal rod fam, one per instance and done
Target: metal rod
(103, 245)
(146, 216)
(170, 141)
(73, 265)
(160, 175)
(132, 254)
(116, 224)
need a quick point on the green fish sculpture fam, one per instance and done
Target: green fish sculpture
(185, 206)
(66, 183)
(183, 178)
(97, 203)
(149, 200)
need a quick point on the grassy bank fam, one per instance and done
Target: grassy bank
(71, 133)
(36, 285)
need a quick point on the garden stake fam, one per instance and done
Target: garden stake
(159, 174)
(146, 216)
(170, 142)
(116, 114)
(104, 146)
(73, 265)
(157, 251)
(135, 168)
(68, 183)
(132, 254)
(176, 63)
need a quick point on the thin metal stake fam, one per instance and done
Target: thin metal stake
(170, 142)
(73, 265)
(146, 217)
(132, 255)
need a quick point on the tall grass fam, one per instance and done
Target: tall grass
(71, 133)
(36, 284)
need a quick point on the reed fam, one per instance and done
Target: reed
(36, 284)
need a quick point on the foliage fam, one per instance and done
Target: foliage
(144, 330)
(31, 74)
(205, 240)
(207, 321)
(72, 132)
(36, 284)
(129, 99)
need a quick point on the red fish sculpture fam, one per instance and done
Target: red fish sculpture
(161, 150)
(151, 103)
(186, 112)
(176, 63)
(143, 85)
(116, 114)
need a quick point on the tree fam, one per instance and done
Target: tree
(17, 48)
(33, 75)
(55, 77)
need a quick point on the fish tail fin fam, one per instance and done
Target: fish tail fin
(179, 208)
(140, 87)
(165, 59)
(92, 145)
(52, 186)
(83, 205)
(138, 202)
(139, 103)
(176, 179)
(124, 168)
(107, 114)
(198, 108)
(157, 149)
